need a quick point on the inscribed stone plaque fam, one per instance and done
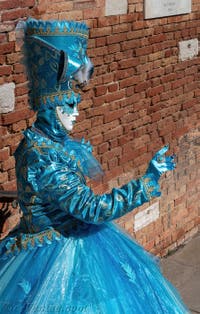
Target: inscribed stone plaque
(160, 8)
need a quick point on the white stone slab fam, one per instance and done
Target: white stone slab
(7, 97)
(116, 7)
(146, 216)
(161, 8)
(188, 49)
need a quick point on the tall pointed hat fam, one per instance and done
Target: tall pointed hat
(55, 51)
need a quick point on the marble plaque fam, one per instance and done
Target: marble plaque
(161, 8)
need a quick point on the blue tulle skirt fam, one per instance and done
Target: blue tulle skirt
(96, 270)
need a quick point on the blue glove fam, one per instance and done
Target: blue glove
(160, 163)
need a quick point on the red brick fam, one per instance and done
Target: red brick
(21, 89)
(156, 72)
(155, 90)
(4, 154)
(112, 163)
(11, 174)
(19, 126)
(129, 81)
(103, 148)
(2, 59)
(113, 133)
(112, 154)
(115, 96)
(138, 25)
(9, 118)
(130, 44)
(125, 73)
(158, 38)
(27, 3)
(96, 140)
(14, 14)
(19, 68)
(10, 185)
(108, 77)
(5, 70)
(91, 13)
(128, 63)
(8, 164)
(7, 47)
(13, 58)
(116, 38)
(3, 177)
(98, 120)
(3, 129)
(142, 86)
(99, 32)
(108, 59)
(84, 4)
(113, 87)
(9, 4)
(100, 90)
(101, 41)
(99, 101)
(121, 28)
(99, 51)
(19, 78)
(114, 115)
(107, 21)
(114, 48)
(126, 18)
(143, 51)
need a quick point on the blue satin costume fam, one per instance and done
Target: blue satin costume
(66, 256)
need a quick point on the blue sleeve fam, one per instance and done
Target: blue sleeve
(67, 189)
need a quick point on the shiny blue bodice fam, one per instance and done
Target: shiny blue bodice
(52, 190)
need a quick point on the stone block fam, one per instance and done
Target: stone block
(188, 49)
(113, 7)
(7, 97)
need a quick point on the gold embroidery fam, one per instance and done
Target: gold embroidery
(56, 32)
(22, 242)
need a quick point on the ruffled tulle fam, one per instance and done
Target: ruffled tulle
(98, 270)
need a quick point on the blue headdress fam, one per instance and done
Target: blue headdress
(58, 66)
(55, 55)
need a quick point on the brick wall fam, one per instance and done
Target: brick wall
(140, 98)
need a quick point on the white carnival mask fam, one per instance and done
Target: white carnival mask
(67, 119)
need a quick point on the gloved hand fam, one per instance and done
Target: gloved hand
(160, 163)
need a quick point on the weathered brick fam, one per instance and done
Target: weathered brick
(100, 90)
(113, 133)
(8, 164)
(10, 118)
(9, 4)
(129, 81)
(5, 70)
(7, 47)
(99, 32)
(4, 154)
(14, 14)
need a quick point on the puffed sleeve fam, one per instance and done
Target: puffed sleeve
(67, 189)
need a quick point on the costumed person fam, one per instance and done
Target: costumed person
(66, 256)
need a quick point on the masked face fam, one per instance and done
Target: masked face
(67, 117)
